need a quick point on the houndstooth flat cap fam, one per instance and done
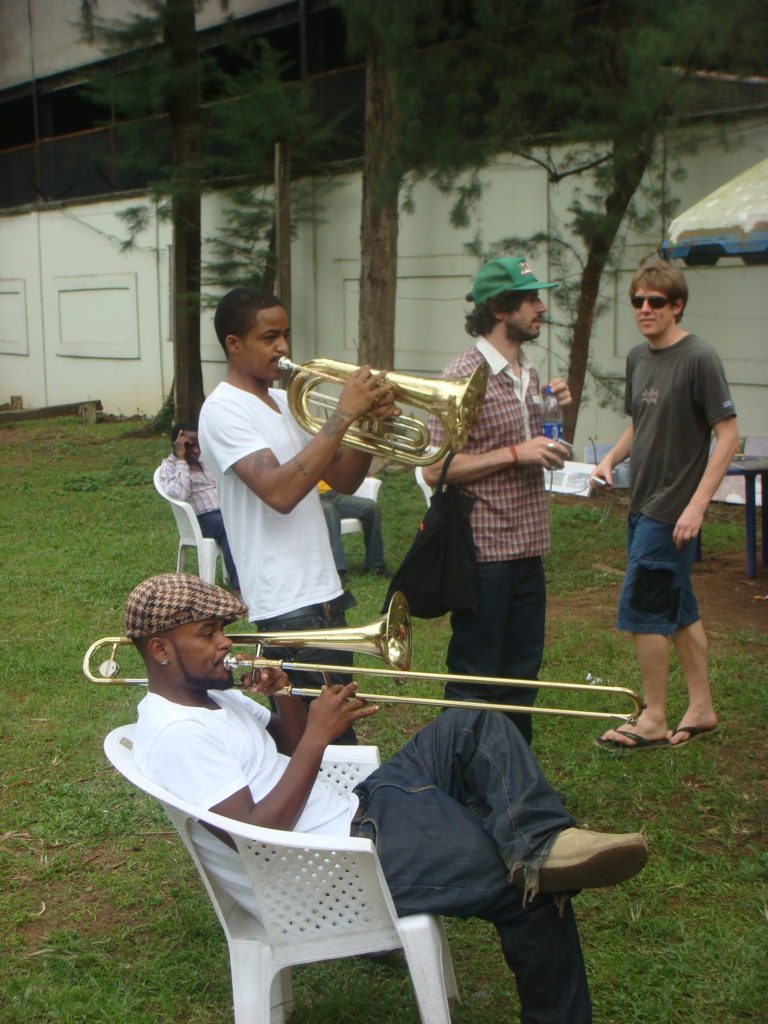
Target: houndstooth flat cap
(174, 599)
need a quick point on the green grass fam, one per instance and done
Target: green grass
(104, 917)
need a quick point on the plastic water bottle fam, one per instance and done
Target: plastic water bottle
(551, 416)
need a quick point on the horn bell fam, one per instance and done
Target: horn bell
(456, 403)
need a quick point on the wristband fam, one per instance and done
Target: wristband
(513, 453)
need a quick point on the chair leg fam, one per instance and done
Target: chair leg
(206, 561)
(224, 574)
(281, 996)
(449, 975)
(426, 951)
(257, 990)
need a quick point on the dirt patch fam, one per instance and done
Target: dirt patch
(729, 602)
(75, 897)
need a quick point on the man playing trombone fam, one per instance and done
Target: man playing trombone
(267, 468)
(463, 820)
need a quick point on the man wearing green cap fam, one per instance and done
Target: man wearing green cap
(502, 467)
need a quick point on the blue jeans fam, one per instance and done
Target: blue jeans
(657, 596)
(212, 525)
(327, 616)
(452, 814)
(504, 637)
(349, 506)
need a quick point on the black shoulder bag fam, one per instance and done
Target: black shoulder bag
(439, 571)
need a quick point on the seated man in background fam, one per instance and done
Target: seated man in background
(184, 475)
(351, 506)
(463, 820)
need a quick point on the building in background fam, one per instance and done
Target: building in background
(81, 318)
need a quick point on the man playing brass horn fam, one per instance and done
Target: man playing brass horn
(463, 820)
(267, 468)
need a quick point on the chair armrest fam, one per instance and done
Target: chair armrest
(344, 766)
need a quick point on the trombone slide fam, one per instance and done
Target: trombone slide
(232, 662)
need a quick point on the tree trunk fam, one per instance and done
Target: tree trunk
(184, 112)
(629, 173)
(379, 220)
(283, 222)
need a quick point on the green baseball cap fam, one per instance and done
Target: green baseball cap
(506, 274)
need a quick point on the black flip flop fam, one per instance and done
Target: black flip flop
(694, 731)
(640, 743)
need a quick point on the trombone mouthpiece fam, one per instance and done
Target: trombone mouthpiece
(231, 662)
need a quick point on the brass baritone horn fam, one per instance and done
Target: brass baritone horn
(457, 403)
(389, 639)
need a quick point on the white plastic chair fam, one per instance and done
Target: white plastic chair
(319, 897)
(369, 488)
(426, 490)
(191, 536)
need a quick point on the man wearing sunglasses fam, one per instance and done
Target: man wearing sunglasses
(677, 396)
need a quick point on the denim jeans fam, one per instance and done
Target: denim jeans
(452, 814)
(657, 595)
(329, 616)
(212, 525)
(504, 637)
(350, 506)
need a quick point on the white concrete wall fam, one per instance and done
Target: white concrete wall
(80, 319)
(43, 37)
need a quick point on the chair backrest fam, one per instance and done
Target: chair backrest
(186, 520)
(369, 488)
(426, 490)
(191, 536)
(310, 890)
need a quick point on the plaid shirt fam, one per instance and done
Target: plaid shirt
(198, 488)
(510, 518)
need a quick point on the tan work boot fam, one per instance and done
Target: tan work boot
(580, 859)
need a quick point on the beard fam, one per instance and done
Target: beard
(520, 334)
(196, 682)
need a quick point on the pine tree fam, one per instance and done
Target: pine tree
(158, 70)
(159, 73)
(588, 90)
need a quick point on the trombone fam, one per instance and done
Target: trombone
(457, 403)
(388, 639)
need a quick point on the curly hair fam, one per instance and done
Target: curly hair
(481, 321)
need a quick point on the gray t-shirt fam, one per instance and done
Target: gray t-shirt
(674, 396)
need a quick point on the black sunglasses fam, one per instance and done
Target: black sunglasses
(654, 301)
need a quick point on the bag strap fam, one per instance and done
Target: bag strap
(443, 471)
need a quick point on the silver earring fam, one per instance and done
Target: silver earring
(164, 661)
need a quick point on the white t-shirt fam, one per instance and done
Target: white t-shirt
(284, 562)
(203, 756)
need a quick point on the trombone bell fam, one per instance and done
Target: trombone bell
(456, 403)
(388, 639)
